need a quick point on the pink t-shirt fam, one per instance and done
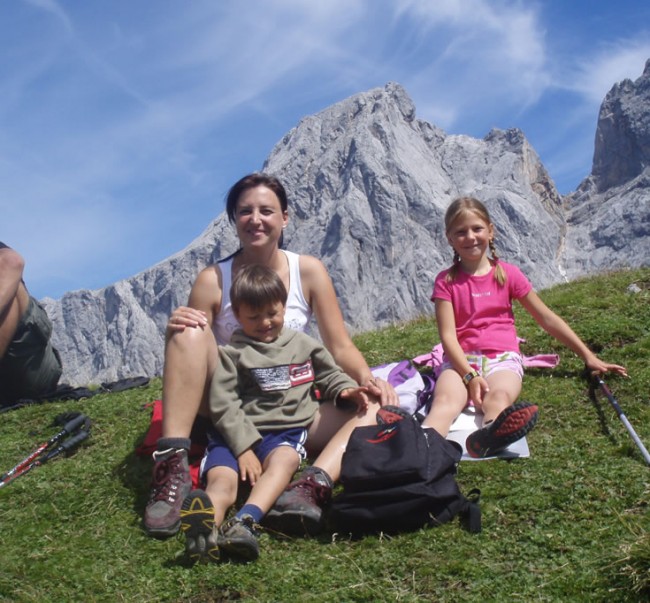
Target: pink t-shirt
(483, 309)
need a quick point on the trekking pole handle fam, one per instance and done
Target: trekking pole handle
(67, 445)
(73, 424)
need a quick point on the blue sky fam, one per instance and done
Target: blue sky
(123, 123)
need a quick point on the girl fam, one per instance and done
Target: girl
(482, 363)
(257, 206)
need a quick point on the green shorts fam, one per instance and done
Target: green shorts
(32, 366)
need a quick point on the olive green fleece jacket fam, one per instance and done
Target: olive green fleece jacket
(269, 386)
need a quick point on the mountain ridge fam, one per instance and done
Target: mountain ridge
(364, 177)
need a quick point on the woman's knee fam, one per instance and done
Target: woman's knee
(188, 341)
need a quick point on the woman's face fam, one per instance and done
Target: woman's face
(259, 218)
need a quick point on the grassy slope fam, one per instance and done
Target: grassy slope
(569, 524)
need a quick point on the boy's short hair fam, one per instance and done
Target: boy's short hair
(256, 286)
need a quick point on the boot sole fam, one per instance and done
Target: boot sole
(197, 523)
(511, 425)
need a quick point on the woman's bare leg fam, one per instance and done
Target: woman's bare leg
(330, 432)
(190, 360)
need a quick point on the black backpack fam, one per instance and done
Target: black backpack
(399, 477)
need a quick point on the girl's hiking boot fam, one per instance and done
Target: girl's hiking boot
(238, 539)
(197, 523)
(299, 509)
(170, 484)
(511, 425)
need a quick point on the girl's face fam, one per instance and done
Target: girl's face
(259, 218)
(263, 324)
(470, 236)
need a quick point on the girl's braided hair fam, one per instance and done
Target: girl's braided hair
(459, 208)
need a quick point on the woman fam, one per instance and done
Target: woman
(257, 206)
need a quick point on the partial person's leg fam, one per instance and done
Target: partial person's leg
(504, 420)
(31, 367)
(449, 400)
(10, 315)
(190, 360)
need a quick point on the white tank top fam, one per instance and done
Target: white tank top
(297, 314)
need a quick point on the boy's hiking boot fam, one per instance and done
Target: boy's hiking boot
(197, 523)
(299, 509)
(170, 484)
(238, 539)
(511, 425)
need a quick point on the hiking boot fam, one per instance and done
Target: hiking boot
(387, 415)
(197, 523)
(170, 484)
(298, 510)
(238, 538)
(511, 425)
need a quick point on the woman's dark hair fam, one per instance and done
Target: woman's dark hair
(252, 181)
(256, 286)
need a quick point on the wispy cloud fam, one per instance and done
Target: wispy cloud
(614, 62)
(486, 53)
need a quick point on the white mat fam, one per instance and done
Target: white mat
(469, 421)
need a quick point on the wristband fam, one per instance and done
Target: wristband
(467, 378)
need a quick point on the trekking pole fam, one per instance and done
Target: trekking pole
(623, 418)
(70, 427)
(65, 446)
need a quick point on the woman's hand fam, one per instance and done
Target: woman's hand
(250, 467)
(184, 317)
(382, 390)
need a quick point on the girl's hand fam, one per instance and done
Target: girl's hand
(476, 391)
(597, 366)
(185, 316)
(382, 390)
(250, 467)
(359, 396)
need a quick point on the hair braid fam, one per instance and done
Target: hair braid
(452, 273)
(499, 273)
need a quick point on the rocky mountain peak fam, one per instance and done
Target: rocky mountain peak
(622, 147)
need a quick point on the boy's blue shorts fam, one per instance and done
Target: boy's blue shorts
(217, 453)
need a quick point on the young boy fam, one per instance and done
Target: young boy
(262, 401)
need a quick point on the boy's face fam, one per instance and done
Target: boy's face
(263, 324)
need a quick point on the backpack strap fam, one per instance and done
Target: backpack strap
(470, 516)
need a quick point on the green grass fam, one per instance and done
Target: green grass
(568, 524)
